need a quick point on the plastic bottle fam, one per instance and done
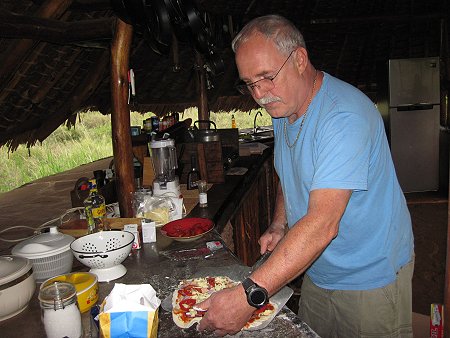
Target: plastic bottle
(233, 121)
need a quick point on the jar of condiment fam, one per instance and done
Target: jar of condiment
(147, 125)
(202, 193)
(59, 310)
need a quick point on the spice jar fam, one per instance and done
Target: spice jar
(59, 310)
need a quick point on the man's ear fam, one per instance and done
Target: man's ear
(301, 59)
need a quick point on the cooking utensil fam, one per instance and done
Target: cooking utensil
(104, 252)
(120, 10)
(206, 135)
(48, 252)
(261, 260)
(17, 285)
(158, 21)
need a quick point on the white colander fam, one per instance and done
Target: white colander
(104, 252)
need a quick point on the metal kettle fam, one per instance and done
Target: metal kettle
(206, 135)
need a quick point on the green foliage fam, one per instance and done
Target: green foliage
(64, 149)
(88, 141)
(243, 119)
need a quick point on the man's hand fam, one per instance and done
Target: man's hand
(269, 240)
(227, 312)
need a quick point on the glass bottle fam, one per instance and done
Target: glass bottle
(203, 193)
(95, 208)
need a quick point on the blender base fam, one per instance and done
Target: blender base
(171, 189)
(173, 192)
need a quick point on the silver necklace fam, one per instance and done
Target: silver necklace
(303, 119)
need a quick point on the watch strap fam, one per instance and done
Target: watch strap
(247, 284)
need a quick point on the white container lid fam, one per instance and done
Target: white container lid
(13, 267)
(43, 245)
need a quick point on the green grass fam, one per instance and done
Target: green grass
(88, 141)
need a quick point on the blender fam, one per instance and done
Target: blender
(164, 158)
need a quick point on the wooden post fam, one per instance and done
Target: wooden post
(120, 117)
(203, 110)
(447, 279)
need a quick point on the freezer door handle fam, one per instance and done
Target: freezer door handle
(415, 107)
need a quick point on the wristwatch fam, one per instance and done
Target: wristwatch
(257, 296)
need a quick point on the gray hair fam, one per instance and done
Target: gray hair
(275, 27)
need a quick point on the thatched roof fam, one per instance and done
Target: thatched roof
(55, 54)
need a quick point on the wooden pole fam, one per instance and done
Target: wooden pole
(120, 117)
(203, 110)
(447, 279)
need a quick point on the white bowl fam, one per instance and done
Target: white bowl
(17, 285)
(104, 252)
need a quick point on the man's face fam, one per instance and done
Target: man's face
(258, 58)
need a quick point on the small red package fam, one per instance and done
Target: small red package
(437, 321)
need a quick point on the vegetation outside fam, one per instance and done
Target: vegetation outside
(89, 141)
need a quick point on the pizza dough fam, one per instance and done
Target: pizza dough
(194, 291)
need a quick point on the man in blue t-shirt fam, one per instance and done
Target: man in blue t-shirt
(340, 215)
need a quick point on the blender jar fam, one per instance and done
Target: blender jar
(164, 157)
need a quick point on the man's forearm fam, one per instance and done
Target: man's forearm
(279, 215)
(305, 241)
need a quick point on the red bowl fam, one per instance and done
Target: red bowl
(187, 229)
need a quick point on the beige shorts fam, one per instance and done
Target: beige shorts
(382, 312)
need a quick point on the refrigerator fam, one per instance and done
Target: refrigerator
(414, 122)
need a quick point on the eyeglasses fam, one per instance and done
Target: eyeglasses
(264, 84)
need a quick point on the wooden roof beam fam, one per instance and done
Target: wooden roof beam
(78, 97)
(374, 19)
(90, 5)
(84, 4)
(17, 52)
(54, 31)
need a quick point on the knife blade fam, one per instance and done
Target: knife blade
(261, 260)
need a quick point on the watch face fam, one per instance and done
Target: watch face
(258, 297)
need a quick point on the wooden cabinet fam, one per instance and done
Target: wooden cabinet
(254, 213)
(242, 207)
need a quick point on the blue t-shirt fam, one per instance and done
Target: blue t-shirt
(343, 145)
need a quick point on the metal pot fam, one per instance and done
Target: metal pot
(206, 135)
(17, 285)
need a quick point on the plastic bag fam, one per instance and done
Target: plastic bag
(154, 208)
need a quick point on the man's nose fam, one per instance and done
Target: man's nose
(258, 93)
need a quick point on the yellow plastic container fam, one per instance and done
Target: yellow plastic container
(85, 283)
